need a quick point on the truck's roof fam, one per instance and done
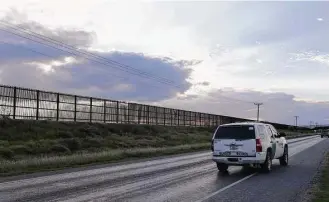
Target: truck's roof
(243, 123)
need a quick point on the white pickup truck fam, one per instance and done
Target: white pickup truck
(248, 144)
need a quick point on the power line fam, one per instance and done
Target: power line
(52, 57)
(122, 78)
(229, 98)
(58, 43)
(118, 65)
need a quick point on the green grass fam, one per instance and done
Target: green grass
(21, 139)
(31, 146)
(37, 164)
(322, 191)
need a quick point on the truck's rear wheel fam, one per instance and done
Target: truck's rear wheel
(222, 167)
(267, 165)
(285, 158)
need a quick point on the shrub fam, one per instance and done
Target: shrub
(4, 143)
(88, 131)
(6, 153)
(65, 134)
(72, 143)
(21, 149)
(58, 148)
(140, 130)
(91, 142)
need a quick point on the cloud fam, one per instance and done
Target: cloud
(277, 107)
(209, 49)
(71, 75)
(74, 37)
(37, 66)
(51, 66)
(43, 66)
(122, 85)
(312, 56)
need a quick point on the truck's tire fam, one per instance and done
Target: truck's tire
(321, 136)
(267, 165)
(222, 167)
(285, 158)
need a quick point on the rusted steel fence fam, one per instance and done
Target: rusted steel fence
(23, 103)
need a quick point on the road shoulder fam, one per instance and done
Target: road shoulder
(319, 186)
(282, 184)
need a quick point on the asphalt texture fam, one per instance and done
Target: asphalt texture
(191, 177)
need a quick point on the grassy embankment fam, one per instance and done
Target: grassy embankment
(31, 146)
(322, 190)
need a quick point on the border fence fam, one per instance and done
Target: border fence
(24, 103)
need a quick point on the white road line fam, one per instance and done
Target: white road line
(249, 176)
(227, 187)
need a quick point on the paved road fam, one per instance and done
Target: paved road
(191, 177)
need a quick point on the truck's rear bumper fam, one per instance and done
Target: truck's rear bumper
(258, 159)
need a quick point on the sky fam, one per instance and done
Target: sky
(215, 57)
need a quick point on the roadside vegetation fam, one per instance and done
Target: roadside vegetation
(30, 146)
(322, 190)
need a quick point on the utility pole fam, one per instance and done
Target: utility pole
(311, 123)
(258, 104)
(296, 117)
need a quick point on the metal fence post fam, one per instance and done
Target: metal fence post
(117, 118)
(37, 112)
(148, 114)
(178, 117)
(91, 110)
(75, 108)
(14, 103)
(104, 112)
(156, 115)
(128, 111)
(164, 116)
(139, 112)
(57, 108)
(195, 118)
(171, 116)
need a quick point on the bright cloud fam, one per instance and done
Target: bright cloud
(51, 65)
(197, 48)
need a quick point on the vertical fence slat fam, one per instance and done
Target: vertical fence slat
(117, 112)
(128, 116)
(104, 111)
(171, 116)
(75, 108)
(148, 115)
(156, 115)
(91, 110)
(14, 102)
(164, 116)
(37, 109)
(57, 107)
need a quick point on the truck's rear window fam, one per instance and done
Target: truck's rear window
(241, 132)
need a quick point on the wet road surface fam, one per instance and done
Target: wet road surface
(192, 177)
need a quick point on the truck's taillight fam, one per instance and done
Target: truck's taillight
(259, 147)
(212, 145)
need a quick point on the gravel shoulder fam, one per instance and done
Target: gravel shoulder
(318, 190)
(283, 183)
